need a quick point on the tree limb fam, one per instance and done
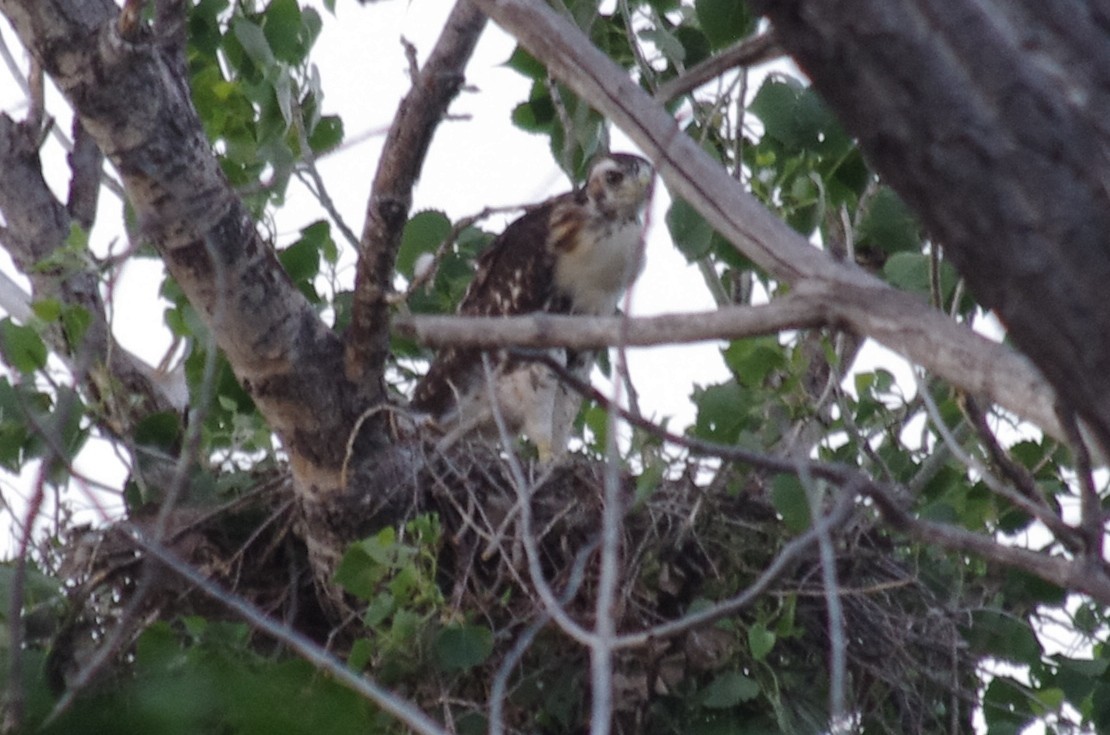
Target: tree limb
(38, 226)
(751, 51)
(406, 145)
(795, 311)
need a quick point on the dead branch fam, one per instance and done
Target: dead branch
(795, 311)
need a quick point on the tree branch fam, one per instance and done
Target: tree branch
(38, 226)
(751, 51)
(795, 311)
(1086, 574)
(406, 146)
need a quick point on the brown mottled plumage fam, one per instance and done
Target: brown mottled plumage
(574, 254)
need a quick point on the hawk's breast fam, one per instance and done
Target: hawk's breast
(602, 261)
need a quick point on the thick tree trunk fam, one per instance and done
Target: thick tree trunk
(990, 119)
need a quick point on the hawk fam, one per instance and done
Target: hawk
(576, 253)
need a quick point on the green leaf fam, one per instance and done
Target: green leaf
(362, 653)
(534, 116)
(326, 134)
(523, 62)
(722, 412)
(463, 647)
(301, 260)
(754, 360)
(37, 589)
(78, 238)
(889, 225)
(318, 235)
(254, 43)
(161, 430)
(691, 234)
(667, 43)
(22, 347)
(380, 608)
(728, 690)
(760, 641)
(284, 96)
(695, 43)
(1002, 635)
(284, 31)
(723, 21)
(908, 271)
(424, 233)
(795, 116)
(789, 498)
(49, 310)
(75, 322)
(1006, 706)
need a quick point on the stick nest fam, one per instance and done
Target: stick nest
(686, 544)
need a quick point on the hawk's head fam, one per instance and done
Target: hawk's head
(619, 185)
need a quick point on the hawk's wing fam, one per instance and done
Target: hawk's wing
(515, 275)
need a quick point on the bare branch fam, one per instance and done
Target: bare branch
(85, 161)
(545, 330)
(1086, 574)
(406, 145)
(749, 52)
(1090, 505)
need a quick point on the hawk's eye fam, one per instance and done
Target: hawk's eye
(614, 177)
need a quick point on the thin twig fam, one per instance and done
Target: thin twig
(838, 640)
(500, 684)
(749, 52)
(1090, 505)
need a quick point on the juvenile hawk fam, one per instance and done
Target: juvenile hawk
(574, 254)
